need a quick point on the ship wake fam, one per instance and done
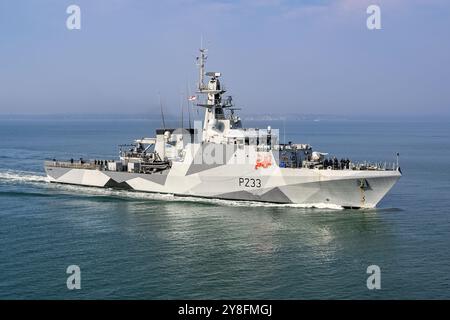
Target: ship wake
(11, 176)
(39, 179)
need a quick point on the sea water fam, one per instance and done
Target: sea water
(151, 246)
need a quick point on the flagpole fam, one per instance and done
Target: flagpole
(188, 94)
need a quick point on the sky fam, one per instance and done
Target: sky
(276, 56)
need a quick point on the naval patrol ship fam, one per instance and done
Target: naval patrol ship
(221, 159)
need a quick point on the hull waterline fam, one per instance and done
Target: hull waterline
(348, 189)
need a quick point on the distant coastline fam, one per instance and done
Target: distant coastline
(155, 116)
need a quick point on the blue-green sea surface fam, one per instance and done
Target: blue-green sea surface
(136, 245)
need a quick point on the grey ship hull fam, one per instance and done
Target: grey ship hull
(346, 188)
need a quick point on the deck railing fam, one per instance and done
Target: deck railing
(74, 165)
(369, 166)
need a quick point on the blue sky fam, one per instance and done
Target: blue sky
(276, 56)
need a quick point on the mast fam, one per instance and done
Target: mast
(201, 88)
(162, 112)
(201, 64)
(214, 105)
(182, 111)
